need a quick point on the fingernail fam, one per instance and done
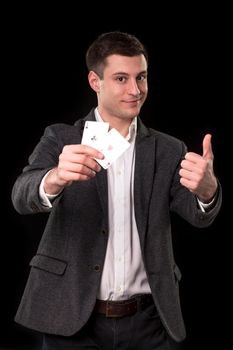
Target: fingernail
(100, 155)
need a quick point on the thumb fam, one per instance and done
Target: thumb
(207, 147)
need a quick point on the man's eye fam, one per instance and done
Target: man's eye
(121, 79)
(141, 77)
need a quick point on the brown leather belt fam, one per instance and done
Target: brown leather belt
(123, 307)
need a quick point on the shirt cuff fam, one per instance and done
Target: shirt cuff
(204, 206)
(46, 198)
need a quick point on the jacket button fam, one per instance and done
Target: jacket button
(104, 232)
(96, 268)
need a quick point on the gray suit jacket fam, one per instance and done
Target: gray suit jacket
(65, 273)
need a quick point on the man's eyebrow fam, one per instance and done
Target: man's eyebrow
(125, 73)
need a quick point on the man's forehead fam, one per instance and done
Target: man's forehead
(125, 64)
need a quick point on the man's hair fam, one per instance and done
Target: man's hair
(112, 43)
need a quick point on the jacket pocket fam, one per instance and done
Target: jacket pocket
(48, 264)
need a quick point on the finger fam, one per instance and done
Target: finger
(83, 149)
(92, 152)
(189, 175)
(73, 164)
(190, 185)
(193, 157)
(189, 165)
(196, 164)
(207, 147)
(77, 176)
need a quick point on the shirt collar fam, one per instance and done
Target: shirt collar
(132, 128)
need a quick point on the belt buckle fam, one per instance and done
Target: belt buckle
(108, 312)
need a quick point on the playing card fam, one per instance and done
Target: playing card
(93, 132)
(111, 143)
(112, 146)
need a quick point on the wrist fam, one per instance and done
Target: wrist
(53, 184)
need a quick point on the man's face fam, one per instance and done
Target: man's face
(123, 89)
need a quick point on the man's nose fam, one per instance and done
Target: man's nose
(133, 87)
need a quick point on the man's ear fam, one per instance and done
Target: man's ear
(94, 81)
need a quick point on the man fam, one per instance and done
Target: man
(104, 276)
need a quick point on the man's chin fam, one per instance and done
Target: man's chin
(133, 112)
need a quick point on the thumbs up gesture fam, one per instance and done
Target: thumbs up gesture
(197, 172)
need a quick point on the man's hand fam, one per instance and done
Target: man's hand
(76, 163)
(197, 172)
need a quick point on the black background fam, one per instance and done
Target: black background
(45, 81)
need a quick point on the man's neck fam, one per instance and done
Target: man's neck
(121, 125)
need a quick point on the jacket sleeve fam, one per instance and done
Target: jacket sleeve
(25, 192)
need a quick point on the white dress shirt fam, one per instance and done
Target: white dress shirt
(123, 273)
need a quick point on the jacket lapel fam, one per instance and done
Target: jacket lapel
(143, 177)
(102, 188)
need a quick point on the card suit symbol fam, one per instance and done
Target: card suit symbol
(94, 138)
(110, 147)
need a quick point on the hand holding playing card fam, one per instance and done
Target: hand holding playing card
(111, 143)
(76, 163)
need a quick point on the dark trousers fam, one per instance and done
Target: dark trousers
(141, 331)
